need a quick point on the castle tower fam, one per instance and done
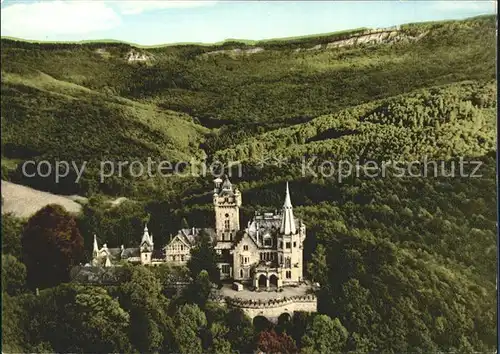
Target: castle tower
(146, 247)
(290, 244)
(227, 202)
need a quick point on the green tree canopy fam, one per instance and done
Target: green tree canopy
(324, 335)
(204, 257)
(13, 275)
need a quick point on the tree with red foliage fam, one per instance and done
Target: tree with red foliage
(271, 342)
(51, 244)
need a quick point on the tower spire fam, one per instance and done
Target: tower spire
(288, 221)
(145, 236)
(288, 201)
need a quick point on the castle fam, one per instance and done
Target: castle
(266, 254)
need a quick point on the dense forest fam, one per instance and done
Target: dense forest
(406, 263)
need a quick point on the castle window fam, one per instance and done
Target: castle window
(182, 258)
(288, 274)
(226, 224)
(288, 245)
(225, 268)
(241, 273)
(245, 248)
(182, 247)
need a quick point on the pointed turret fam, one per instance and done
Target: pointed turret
(226, 185)
(146, 238)
(217, 183)
(96, 247)
(288, 221)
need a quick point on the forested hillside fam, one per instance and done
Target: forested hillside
(406, 264)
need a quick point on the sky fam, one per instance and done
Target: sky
(150, 22)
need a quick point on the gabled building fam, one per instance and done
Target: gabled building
(178, 250)
(144, 254)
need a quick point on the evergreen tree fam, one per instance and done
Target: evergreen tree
(204, 257)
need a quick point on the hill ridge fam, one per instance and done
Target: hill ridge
(248, 42)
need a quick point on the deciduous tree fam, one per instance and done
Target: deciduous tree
(51, 244)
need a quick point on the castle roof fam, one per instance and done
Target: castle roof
(146, 237)
(226, 188)
(157, 254)
(191, 235)
(131, 252)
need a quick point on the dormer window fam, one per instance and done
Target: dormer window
(245, 248)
